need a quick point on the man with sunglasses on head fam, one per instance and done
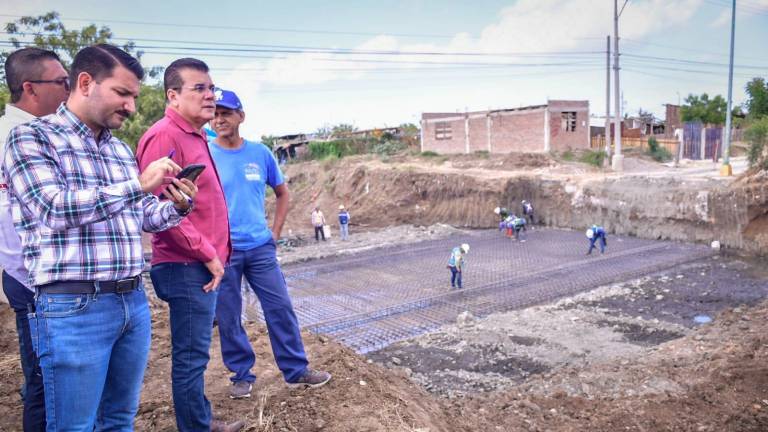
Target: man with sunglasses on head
(38, 84)
(188, 261)
(80, 206)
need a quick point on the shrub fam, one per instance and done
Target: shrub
(429, 153)
(388, 147)
(657, 152)
(567, 155)
(593, 157)
(757, 136)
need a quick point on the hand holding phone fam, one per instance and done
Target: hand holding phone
(189, 172)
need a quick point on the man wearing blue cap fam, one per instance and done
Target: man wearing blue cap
(246, 168)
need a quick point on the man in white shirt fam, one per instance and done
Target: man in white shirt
(38, 84)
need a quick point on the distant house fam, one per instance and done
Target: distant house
(559, 125)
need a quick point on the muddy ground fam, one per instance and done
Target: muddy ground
(622, 357)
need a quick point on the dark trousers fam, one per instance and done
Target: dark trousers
(455, 276)
(32, 391)
(319, 233)
(592, 242)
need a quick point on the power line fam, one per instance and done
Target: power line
(244, 28)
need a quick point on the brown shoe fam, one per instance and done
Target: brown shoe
(222, 426)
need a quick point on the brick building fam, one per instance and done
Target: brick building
(557, 126)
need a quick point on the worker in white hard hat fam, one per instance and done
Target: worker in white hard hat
(528, 212)
(343, 222)
(456, 264)
(596, 233)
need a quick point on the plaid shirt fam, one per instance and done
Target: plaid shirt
(77, 202)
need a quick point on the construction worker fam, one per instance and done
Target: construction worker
(518, 224)
(528, 211)
(318, 222)
(509, 224)
(594, 234)
(343, 222)
(456, 264)
(502, 213)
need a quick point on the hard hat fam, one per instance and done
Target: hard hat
(341, 207)
(497, 210)
(465, 248)
(590, 233)
(522, 202)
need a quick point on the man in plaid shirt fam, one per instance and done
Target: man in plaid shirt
(79, 206)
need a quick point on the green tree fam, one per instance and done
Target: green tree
(269, 141)
(342, 129)
(48, 32)
(757, 136)
(703, 109)
(757, 98)
(150, 107)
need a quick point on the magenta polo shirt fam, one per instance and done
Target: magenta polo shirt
(204, 233)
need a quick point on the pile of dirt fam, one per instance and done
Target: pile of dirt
(714, 379)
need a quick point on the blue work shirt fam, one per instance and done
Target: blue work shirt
(245, 172)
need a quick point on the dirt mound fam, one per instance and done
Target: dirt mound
(715, 379)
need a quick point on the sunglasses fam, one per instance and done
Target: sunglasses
(60, 81)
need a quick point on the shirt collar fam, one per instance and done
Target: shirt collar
(182, 123)
(17, 114)
(71, 120)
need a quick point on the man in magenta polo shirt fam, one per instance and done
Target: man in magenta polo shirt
(188, 261)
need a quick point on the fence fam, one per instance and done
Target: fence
(671, 144)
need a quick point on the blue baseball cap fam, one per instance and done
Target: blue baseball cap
(228, 99)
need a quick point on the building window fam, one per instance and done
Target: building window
(568, 121)
(442, 131)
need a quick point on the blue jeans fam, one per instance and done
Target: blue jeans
(592, 244)
(261, 270)
(455, 277)
(192, 311)
(344, 231)
(93, 350)
(20, 298)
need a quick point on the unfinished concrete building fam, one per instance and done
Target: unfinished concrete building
(557, 126)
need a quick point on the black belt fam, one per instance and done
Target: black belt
(89, 287)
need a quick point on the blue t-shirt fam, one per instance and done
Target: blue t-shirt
(244, 174)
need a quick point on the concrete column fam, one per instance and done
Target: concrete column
(466, 133)
(703, 149)
(546, 130)
(488, 131)
(421, 135)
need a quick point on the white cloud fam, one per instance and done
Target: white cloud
(743, 10)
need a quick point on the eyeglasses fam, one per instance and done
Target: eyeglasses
(60, 81)
(199, 88)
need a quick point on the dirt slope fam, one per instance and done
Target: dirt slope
(687, 204)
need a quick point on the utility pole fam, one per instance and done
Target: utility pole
(608, 99)
(726, 169)
(617, 162)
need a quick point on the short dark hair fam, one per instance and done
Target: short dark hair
(172, 77)
(23, 65)
(100, 60)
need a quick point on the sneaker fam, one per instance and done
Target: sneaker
(311, 378)
(222, 426)
(240, 390)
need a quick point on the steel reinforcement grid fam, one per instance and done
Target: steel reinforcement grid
(373, 299)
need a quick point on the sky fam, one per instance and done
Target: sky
(301, 65)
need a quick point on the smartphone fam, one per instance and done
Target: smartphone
(190, 172)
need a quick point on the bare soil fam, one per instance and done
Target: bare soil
(617, 358)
